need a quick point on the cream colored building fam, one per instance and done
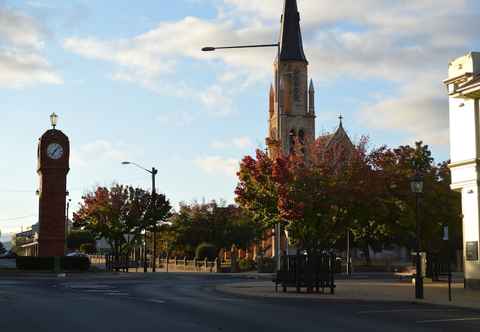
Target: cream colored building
(463, 85)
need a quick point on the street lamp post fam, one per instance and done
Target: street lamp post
(277, 98)
(417, 189)
(154, 173)
(66, 223)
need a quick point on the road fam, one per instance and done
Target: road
(179, 302)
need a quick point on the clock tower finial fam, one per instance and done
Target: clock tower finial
(54, 120)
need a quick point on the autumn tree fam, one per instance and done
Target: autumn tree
(112, 213)
(320, 194)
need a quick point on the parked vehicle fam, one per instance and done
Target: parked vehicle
(77, 254)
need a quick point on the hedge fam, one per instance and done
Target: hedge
(206, 250)
(48, 263)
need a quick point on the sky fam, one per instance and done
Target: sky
(129, 82)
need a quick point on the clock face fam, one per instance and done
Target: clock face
(55, 151)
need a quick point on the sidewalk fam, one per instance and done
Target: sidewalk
(366, 290)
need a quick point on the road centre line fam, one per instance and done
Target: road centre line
(156, 301)
(366, 312)
(465, 319)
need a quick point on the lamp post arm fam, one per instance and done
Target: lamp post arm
(141, 167)
(210, 49)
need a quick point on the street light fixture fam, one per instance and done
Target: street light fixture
(154, 173)
(277, 98)
(416, 185)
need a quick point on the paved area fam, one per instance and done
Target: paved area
(387, 290)
(191, 302)
(8, 264)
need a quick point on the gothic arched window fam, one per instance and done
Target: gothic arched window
(291, 139)
(301, 136)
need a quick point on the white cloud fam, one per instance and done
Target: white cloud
(98, 151)
(237, 142)
(217, 100)
(22, 40)
(353, 40)
(218, 165)
(420, 110)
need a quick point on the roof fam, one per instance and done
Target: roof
(340, 134)
(291, 44)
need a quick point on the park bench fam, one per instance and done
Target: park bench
(313, 273)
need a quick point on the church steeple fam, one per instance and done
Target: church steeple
(291, 44)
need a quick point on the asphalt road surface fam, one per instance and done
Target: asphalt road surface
(177, 302)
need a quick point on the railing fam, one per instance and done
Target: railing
(185, 265)
(175, 264)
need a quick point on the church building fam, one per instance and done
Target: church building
(292, 96)
(292, 104)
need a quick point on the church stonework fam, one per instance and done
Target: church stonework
(292, 116)
(292, 107)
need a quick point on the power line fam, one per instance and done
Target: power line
(19, 218)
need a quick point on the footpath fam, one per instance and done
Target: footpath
(365, 290)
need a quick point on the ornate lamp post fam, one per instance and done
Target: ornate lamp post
(416, 185)
(54, 120)
(153, 172)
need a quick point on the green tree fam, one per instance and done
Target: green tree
(78, 237)
(218, 224)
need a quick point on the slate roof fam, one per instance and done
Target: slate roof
(291, 44)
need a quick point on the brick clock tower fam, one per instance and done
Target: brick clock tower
(53, 167)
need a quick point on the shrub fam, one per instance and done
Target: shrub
(265, 265)
(48, 263)
(88, 248)
(206, 250)
(246, 264)
(78, 237)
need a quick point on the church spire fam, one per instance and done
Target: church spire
(291, 44)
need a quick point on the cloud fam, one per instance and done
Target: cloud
(420, 110)
(98, 151)
(238, 143)
(217, 100)
(22, 40)
(353, 40)
(218, 165)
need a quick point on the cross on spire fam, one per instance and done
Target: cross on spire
(340, 118)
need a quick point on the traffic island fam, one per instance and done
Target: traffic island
(365, 290)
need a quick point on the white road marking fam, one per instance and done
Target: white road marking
(404, 310)
(101, 291)
(465, 319)
(156, 301)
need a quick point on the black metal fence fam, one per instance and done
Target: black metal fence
(314, 272)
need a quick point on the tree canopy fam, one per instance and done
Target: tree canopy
(319, 194)
(112, 213)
